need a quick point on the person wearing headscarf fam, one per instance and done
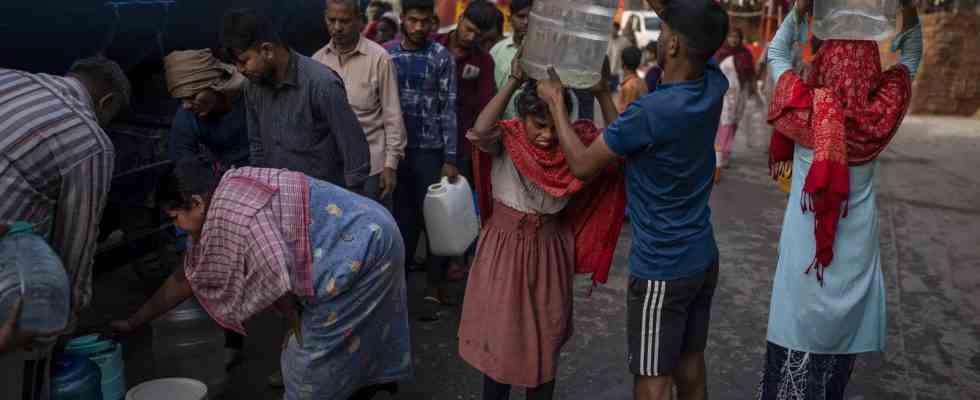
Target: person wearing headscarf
(828, 297)
(736, 63)
(330, 260)
(541, 226)
(210, 118)
(211, 115)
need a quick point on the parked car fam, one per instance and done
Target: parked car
(644, 24)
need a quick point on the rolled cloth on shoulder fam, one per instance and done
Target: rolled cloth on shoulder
(847, 111)
(191, 71)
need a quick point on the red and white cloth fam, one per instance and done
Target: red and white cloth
(254, 246)
(847, 110)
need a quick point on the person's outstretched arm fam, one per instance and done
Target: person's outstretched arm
(780, 54)
(174, 291)
(909, 41)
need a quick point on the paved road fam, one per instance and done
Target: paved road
(929, 187)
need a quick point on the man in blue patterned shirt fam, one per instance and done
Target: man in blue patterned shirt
(427, 87)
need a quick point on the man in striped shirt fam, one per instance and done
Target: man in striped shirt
(56, 163)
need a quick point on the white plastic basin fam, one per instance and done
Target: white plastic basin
(169, 389)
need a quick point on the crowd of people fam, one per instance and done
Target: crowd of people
(298, 185)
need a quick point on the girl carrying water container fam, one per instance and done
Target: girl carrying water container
(541, 226)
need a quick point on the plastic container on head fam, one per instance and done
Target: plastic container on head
(570, 35)
(854, 19)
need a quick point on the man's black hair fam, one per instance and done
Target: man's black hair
(519, 5)
(529, 104)
(188, 177)
(428, 6)
(701, 24)
(632, 57)
(481, 14)
(651, 46)
(244, 29)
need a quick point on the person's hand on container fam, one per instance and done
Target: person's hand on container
(603, 86)
(551, 90)
(389, 179)
(11, 338)
(450, 171)
(516, 70)
(804, 7)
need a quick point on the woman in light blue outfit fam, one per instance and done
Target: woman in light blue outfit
(817, 329)
(356, 334)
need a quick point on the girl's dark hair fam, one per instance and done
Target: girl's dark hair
(529, 104)
(186, 178)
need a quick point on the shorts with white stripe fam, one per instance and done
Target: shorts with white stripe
(666, 319)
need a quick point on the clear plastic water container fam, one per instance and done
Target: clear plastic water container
(187, 343)
(570, 35)
(854, 19)
(451, 224)
(30, 270)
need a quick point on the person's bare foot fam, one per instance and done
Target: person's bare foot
(717, 175)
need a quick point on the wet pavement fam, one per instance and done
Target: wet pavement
(930, 221)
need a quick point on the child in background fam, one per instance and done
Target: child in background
(542, 227)
(633, 87)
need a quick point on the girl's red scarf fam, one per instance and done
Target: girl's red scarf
(846, 111)
(597, 209)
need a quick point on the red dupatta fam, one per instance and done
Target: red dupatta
(847, 111)
(597, 209)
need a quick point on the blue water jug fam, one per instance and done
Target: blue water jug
(75, 377)
(30, 270)
(107, 354)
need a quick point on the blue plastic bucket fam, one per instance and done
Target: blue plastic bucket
(107, 354)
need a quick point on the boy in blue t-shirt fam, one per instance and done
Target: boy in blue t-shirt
(667, 139)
